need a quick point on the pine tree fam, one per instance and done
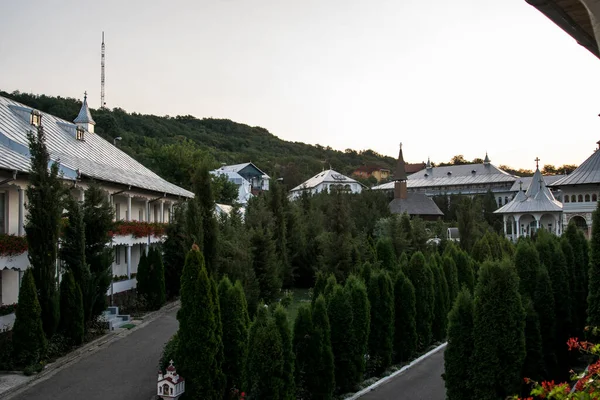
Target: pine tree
(527, 262)
(322, 381)
(421, 276)
(307, 360)
(459, 371)
(283, 327)
(219, 379)
(339, 311)
(234, 317)
(575, 285)
(198, 347)
(365, 273)
(581, 253)
(329, 285)
(205, 202)
(29, 342)
(71, 310)
(543, 302)
(264, 366)
(381, 335)
(465, 270)
(98, 219)
(72, 252)
(405, 311)
(174, 249)
(361, 321)
(593, 299)
(451, 275)
(482, 251)
(442, 299)
(498, 333)
(386, 255)
(320, 283)
(143, 287)
(44, 211)
(157, 279)
(533, 366)
(277, 203)
(264, 263)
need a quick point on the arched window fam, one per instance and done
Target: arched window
(165, 389)
(499, 201)
(566, 199)
(573, 199)
(587, 198)
(506, 200)
(580, 198)
(594, 197)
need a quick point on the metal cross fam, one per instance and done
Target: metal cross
(537, 162)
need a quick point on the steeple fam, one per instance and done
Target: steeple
(400, 172)
(428, 165)
(84, 118)
(486, 160)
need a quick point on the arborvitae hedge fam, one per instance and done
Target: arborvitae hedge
(157, 274)
(527, 262)
(71, 310)
(219, 379)
(143, 286)
(365, 273)
(198, 347)
(575, 284)
(323, 380)
(339, 311)
(264, 263)
(481, 250)
(451, 275)
(331, 283)
(28, 339)
(306, 361)
(264, 366)
(465, 270)
(421, 276)
(381, 335)
(533, 366)
(361, 322)
(283, 327)
(498, 333)
(543, 302)
(234, 317)
(458, 373)
(440, 309)
(386, 255)
(320, 282)
(405, 325)
(593, 299)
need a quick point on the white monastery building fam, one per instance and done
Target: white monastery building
(324, 182)
(137, 194)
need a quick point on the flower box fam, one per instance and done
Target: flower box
(138, 229)
(12, 245)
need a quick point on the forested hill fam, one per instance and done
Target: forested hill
(171, 146)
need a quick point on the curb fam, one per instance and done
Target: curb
(392, 376)
(85, 351)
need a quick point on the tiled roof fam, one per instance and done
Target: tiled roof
(94, 157)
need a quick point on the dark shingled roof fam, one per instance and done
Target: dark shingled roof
(415, 204)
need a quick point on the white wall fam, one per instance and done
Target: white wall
(10, 286)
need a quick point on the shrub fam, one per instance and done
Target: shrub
(169, 353)
(71, 310)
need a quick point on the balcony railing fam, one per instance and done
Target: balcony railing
(138, 229)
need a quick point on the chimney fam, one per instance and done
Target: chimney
(400, 191)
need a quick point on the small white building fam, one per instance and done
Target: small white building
(257, 179)
(326, 181)
(531, 210)
(170, 386)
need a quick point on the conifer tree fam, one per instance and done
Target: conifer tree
(459, 371)
(339, 311)
(420, 275)
(403, 261)
(482, 251)
(265, 363)
(406, 233)
(593, 299)
(98, 219)
(320, 283)
(365, 273)
(543, 302)
(198, 348)
(143, 287)
(322, 383)
(44, 211)
(331, 283)
(307, 360)
(381, 335)
(220, 380)
(405, 331)
(575, 285)
(465, 270)
(361, 321)
(527, 262)
(581, 253)
(440, 309)
(498, 333)
(386, 255)
(264, 263)
(234, 316)
(283, 327)
(277, 203)
(29, 342)
(174, 249)
(71, 310)
(451, 275)
(533, 365)
(157, 279)
(202, 185)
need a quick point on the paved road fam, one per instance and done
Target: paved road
(125, 370)
(420, 382)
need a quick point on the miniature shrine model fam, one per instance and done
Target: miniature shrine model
(170, 386)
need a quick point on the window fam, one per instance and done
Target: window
(117, 211)
(141, 215)
(506, 200)
(126, 256)
(499, 201)
(155, 213)
(580, 198)
(3, 213)
(587, 198)
(594, 197)
(79, 133)
(573, 199)
(36, 118)
(118, 255)
(566, 199)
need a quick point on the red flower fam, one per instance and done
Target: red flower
(573, 343)
(12, 245)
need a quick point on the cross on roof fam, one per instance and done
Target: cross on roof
(537, 162)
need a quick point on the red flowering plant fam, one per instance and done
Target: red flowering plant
(138, 229)
(12, 245)
(587, 386)
(236, 394)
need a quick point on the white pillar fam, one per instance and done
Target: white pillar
(171, 212)
(147, 206)
(128, 261)
(21, 211)
(162, 211)
(504, 224)
(128, 208)
(518, 223)
(82, 195)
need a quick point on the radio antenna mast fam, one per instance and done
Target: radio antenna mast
(102, 101)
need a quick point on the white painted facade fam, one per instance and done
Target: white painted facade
(326, 181)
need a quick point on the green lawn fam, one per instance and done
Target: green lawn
(300, 296)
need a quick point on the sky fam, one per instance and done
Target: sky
(442, 77)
